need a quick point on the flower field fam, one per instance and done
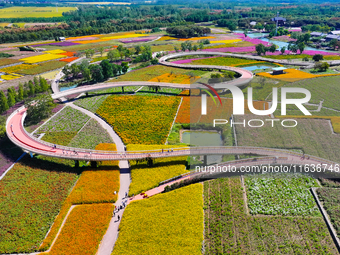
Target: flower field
(175, 78)
(68, 60)
(170, 223)
(91, 135)
(107, 147)
(197, 38)
(229, 229)
(33, 12)
(225, 61)
(8, 77)
(145, 178)
(93, 187)
(330, 199)
(88, 223)
(41, 58)
(42, 68)
(8, 61)
(61, 122)
(31, 195)
(292, 75)
(227, 41)
(140, 119)
(166, 38)
(268, 195)
(17, 68)
(61, 138)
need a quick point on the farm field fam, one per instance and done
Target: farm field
(229, 229)
(135, 119)
(330, 199)
(313, 136)
(34, 12)
(161, 224)
(144, 177)
(31, 194)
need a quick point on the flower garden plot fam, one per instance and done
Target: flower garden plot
(292, 75)
(197, 38)
(17, 68)
(68, 119)
(57, 51)
(281, 195)
(225, 61)
(90, 136)
(313, 136)
(93, 187)
(41, 58)
(31, 195)
(34, 12)
(170, 223)
(83, 230)
(68, 60)
(145, 178)
(8, 61)
(8, 77)
(42, 68)
(61, 138)
(228, 229)
(140, 119)
(175, 78)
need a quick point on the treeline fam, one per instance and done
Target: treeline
(188, 31)
(28, 89)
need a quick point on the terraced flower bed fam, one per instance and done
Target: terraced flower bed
(145, 177)
(268, 195)
(31, 195)
(170, 223)
(140, 119)
(229, 229)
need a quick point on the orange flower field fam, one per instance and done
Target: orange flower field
(175, 78)
(68, 60)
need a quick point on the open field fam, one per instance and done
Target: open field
(146, 177)
(170, 223)
(313, 136)
(34, 12)
(228, 229)
(31, 195)
(140, 119)
(41, 68)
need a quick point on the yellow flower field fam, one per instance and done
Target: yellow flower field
(123, 36)
(197, 38)
(42, 58)
(94, 186)
(8, 77)
(145, 178)
(166, 37)
(14, 69)
(292, 75)
(170, 223)
(83, 230)
(227, 41)
(175, 78)
(55, 51)
(33, 12)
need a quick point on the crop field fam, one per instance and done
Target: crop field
(93, 187)
(330, 199)
(45, 67)
(61, 138)
(61, 122)
(34, 12)
(140, 119)
(268, 195)
(226, 61)
(88, 223)
(90, 136)
(8, 61)
(229, 229)
(31, 195)
(41, 58)
(322, 88)
(175, 78)
(170, 223)
(313, 136)
(145, 177)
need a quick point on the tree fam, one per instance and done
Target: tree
(89, 53)
(176, 49)
(283, 49)
(3, 102)
(67, 70)
(183, 47)
(260, 48)
(294, 48)
(75, 70)
(120, 48)
(107, 69)
(137, 49)
(301, 47)
(333, 43)
(125, 67)
(83, 65)
(87, 74)
(154, 61)
(195, 48)
(20, 95)
(39, 108)
(272, 48)
(10, 97)
(321, 67)
(317, 57)
(97, 73)
(31, 91)
(44, 86)
(101, 51)
(201, 46)
(189, 46)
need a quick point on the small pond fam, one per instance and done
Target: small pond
(255, 67)
(61, 89)
(204, 138)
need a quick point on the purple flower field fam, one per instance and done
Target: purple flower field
(57, 44)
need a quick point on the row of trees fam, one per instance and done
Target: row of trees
(261, 49)
(28, 89)
(188, 31)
